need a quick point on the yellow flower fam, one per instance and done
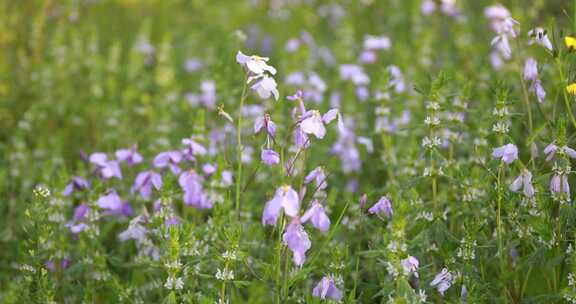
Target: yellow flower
(571, 89)
(570, 43)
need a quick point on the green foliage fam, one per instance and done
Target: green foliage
(78, 77)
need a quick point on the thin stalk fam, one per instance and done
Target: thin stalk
(529, 112)
(563, 88)
(285, 284)
(223, 287)
(499, 218)
(239, 147)
(434, 182)
(279, 260)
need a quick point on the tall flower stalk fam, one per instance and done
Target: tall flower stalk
(257, 73)
(239, 149)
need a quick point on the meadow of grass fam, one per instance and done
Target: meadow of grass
(287, 151)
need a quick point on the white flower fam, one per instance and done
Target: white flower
(266, 87)
(41, 191)
(174, 283)
(255, 64)
(422, 296)
(540, 37)
(224, 275)
(376, 42)
(230, 255)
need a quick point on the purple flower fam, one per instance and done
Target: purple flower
(130, 156)
(192, 149)
(551, 149)
(317, 175)
(362, 93)
(559, 184)
(317, 215)
(368, 57)
(168, 159)
(345, 148)
(247, 155)
(135, 231)
(507, 153)
(264, 122)
(270, 157)
(382, 206)
(410, 265)
(292, 45)
(114, 204)
(502, 45)
(313, 122)
(144, 182)
(524, 180)
(194, 193)
(53, 266)
(77, 183)
(208, 97)
(396, 79)
(531, 73)
(442, 281)
(298, 95)
(80, 212)
(354, 73)
(297, 240)
(76, 228)
(538, 89)
(326, 289)
(362, 201)
(227, 178)
(167, 212)
(301, 140)
(376, 42)
(530, 69)
(286, 198)
(428, 7)
(209, 169)
(193, 64)
(107, 168)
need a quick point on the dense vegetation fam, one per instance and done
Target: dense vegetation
(287, 151)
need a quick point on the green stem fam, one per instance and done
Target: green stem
(279, 247)
(563, 88)
(239, 148)
(529, 111)
(285, 284)
(499, 218)
(223, 288)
